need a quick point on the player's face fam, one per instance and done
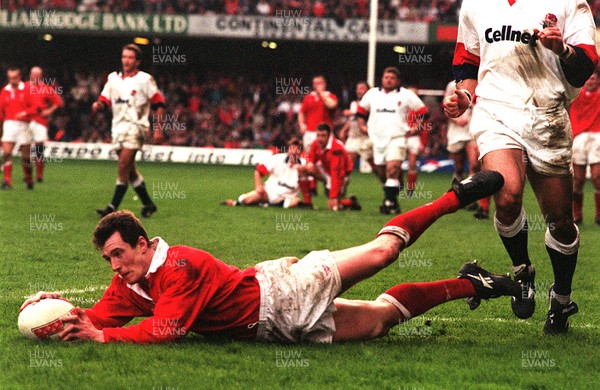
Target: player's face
(294, 152)
(389, 81)
(128, 262)
(129, 62)
(35, 74)
(593, 83)
(322, 138)
(14, 77)
(361, 89)
(319, 84)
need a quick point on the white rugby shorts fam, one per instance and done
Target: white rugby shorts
(307, 139)
(362, 146)
(394, 150)
(39, 132)
(413, 144)
(543, 134)
(16, 132)
(586, 148)
(297, 298)
(128, 136)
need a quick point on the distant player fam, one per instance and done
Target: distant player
(462, 148)
(130, 94)
(48, 101)
(317, 107)
(388, 108)
(585, 119)
(417, 139)
(281, 188)
(16, 108)
(525, 60)
(357, 142)
(329, 161)
(182, 290)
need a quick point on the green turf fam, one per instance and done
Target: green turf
(45, 244)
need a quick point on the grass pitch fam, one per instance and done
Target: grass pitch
(46, 245)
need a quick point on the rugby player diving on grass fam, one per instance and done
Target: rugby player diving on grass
(181, 289)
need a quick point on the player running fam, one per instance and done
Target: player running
(525, 60)
(329, 162)
(585, 119)
(281, 188)
(388, 108)
(130, 94)
(356, 141)
(48, 101)
(16, 108)
(182, 289)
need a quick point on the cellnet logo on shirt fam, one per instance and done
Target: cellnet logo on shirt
(385, 110)
(508, 34)
(122, 101)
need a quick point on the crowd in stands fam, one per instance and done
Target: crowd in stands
(215, 111)
(424, 10)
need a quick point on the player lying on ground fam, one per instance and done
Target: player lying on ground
(281, 188)
(182, 289)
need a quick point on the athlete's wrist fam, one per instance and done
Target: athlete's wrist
(566, 53)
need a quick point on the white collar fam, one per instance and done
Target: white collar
(20, 87)
(160, 256)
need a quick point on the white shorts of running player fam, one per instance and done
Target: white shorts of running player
(458, 138)
(39, 132)
(296, 298)
(394, 150)
(277, 193)
(362, 146)
(16, 132)
(413, 144)
(543, 134)
(586, 148)
(308, 138)
(128, 136)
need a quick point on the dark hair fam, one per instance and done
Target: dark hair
(320, 76)
(129, 227)
(324, 127)
(13, 68)
(392, 69)
(365, 83)
(294, 141)
(134, 48)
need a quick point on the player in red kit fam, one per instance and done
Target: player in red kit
(329, 161)
(16, 109)
(317, 107)
(585, 120)
(48, 101)
(181, 289)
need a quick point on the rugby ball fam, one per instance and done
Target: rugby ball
(41, 320)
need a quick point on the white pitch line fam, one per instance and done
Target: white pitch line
(74, 291)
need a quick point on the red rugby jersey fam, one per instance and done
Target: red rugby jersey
(585, 112)
(315, 111)
(16, 100)
(43, 96)
(336, 163)
(186, 290)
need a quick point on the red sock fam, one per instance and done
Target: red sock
(413, 299)
(412, 180)
(305, 189)
(597, 198)
(578, 205)
(8, 172)
(416, 221)
(39, 169)
(312, 182)
(346, 203)
(485, 204)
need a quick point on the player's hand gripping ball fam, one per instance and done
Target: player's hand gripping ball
(42, 319)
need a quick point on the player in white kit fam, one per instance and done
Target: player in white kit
(388, 108)
(281, 187)
(526, 60)
(130, 94)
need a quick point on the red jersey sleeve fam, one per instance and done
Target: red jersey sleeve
(186, 290)
(313, 153)
(118, 306)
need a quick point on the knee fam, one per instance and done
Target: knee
(509, 202)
